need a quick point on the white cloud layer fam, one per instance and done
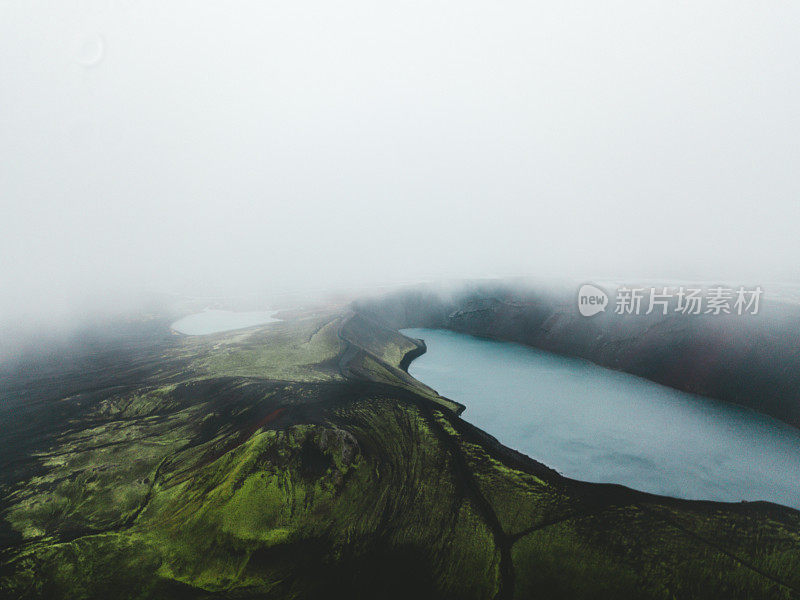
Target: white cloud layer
(235, 147)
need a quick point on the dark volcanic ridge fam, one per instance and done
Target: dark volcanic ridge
(299, 459)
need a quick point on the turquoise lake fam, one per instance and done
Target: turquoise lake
(596, 424)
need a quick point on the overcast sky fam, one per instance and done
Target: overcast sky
(239, 146)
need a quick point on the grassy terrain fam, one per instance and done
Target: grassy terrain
(299, 460)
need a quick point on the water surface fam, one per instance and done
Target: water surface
(214, 321)
(600, 425)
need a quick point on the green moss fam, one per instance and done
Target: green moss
(304, 350)
(555, 563)
(249, 466)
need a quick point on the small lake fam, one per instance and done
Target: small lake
(599, 425)
(215, 321)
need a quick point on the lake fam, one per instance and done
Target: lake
(595, 424)
(215, 321)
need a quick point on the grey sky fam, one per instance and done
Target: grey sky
(229, 147)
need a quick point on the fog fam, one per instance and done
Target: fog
(230, 148)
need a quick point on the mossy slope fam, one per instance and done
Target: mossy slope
(299, 460)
